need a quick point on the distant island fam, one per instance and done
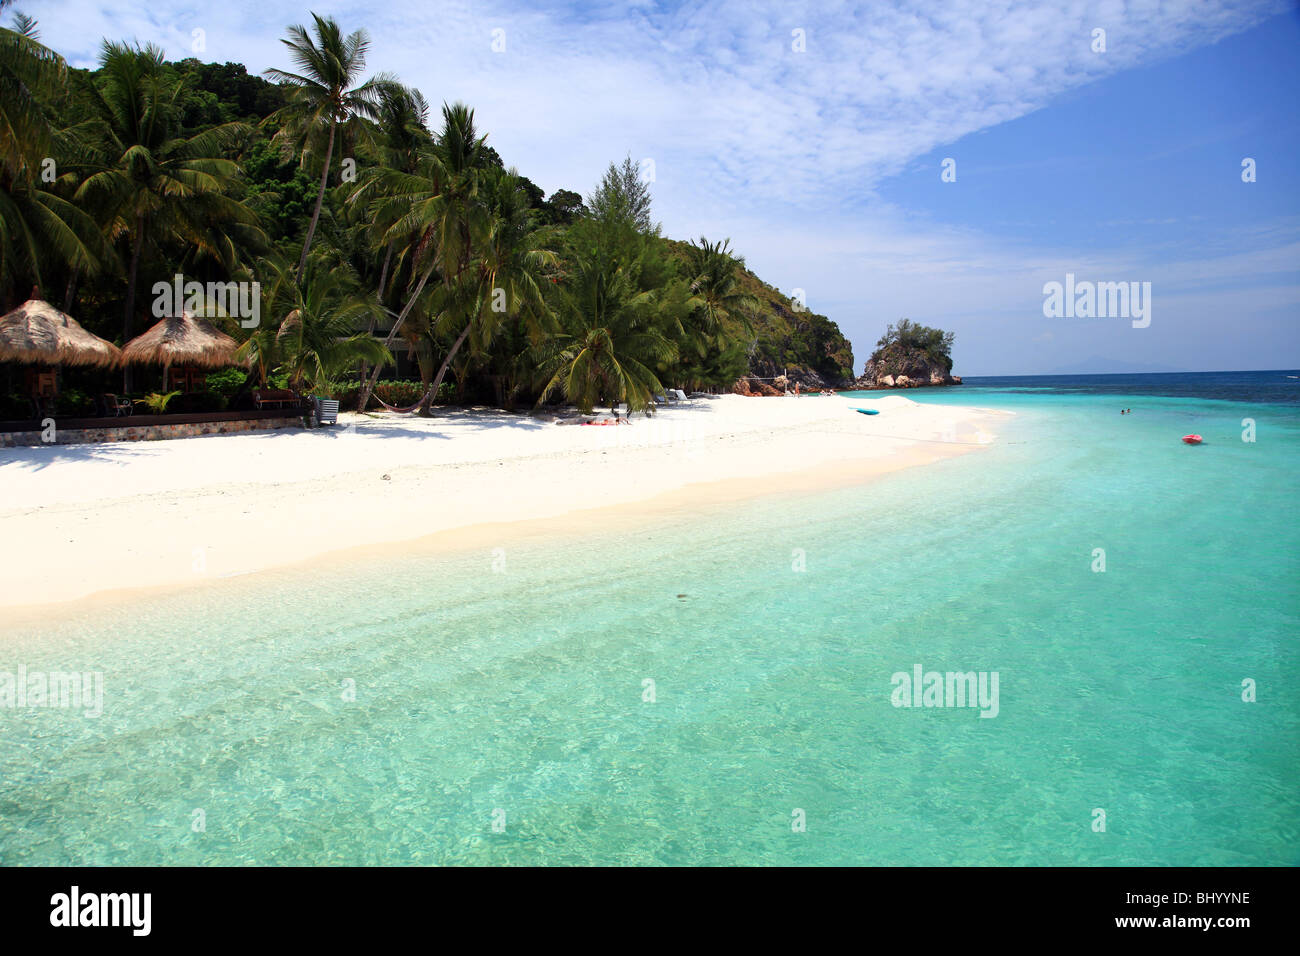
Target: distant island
(910, 355)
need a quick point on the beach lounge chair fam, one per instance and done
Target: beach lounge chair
(678, 394)
(327, 410)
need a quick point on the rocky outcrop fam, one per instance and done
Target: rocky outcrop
(910, 355)
(753, 387)
(807, 379)
(918, 374)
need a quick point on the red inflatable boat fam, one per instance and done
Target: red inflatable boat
(1192, 439)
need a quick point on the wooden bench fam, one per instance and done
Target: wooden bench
(275, 398)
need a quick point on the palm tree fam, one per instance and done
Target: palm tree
(437, 213)
(37, 223)
(30, 77)
(403, 124)
(148, 182)
(323, 96)
(722, 318)
(610, 339)
(715, 280)
(403, 135)
(315, 339)
(261, 352)
(504, 282)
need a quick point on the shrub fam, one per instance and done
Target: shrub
(15, 407)
(157, 403)
(227, 381)
(347, 394)
(74, 403)
(200, 402)
(401, 394)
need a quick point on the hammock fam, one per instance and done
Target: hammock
(425, 397)
(403, 411)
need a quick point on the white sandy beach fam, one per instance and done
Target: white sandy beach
(79, 520)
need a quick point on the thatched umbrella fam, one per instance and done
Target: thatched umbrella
(36, 333)
(185, 340)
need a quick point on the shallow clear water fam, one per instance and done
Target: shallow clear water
(520, 690)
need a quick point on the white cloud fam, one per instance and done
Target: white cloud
(714, 87)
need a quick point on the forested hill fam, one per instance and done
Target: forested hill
(787, 339)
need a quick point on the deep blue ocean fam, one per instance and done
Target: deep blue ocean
(1271, 387)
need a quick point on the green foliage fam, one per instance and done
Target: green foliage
(325, 98)
(157, 403)
(279, 190)
(200, 402)
(777, 332)
(622, 200)
(40, 230)
(563, 206)
(237, 95)
(30, 77)
(403, 394)
(15, 407)
(226, 381)
(313, 336)
(483, 280)
(909, 345)
(154, 187)
(75, 403)
(620, 313)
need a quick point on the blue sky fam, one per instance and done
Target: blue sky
(823, 164)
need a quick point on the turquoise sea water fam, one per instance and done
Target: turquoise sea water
(517, 695)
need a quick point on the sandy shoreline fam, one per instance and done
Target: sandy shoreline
(84, 520)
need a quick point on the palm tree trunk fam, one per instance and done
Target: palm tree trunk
(446, 363)
(369, 386)
(383, 277)
(320, 198)
(70, 290)
(379, 294)
(133, 272)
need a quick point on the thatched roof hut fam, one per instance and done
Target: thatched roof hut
(36, 333)
(182, 339)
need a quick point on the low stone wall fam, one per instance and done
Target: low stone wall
(153, 432)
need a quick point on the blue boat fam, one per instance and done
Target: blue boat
(867, 411)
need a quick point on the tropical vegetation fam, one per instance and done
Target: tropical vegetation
(387, 239)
